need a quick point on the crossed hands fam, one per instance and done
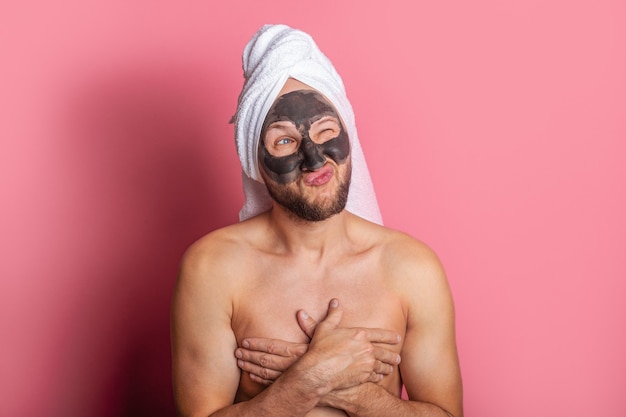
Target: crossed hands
(340, 357)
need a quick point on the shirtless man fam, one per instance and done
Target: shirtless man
(308, 309)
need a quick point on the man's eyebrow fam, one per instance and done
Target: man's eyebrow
(326, 119)
(281, 125)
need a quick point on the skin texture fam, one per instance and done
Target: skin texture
(300, 133)
(312, 130)
(371, 296)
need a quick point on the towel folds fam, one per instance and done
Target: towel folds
(274, 54)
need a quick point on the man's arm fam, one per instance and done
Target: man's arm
(205, 370)
(266, 359)
(205, 373)
(202, 335)
(430, 369)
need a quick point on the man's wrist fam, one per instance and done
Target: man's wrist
(306, 375)
(352, 400)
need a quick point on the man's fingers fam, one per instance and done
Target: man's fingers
(306, 322)
(374, 377)
(387, 356)
(383, 368)
(334, 315)
(274, 346)
(257, 373)
(265, 360)
(260, 380)
(383, 336)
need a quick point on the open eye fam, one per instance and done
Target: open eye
(283, 146)
(281, 138)
(283, 141)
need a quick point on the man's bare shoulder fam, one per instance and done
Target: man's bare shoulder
(398, 248)
(407, 257)
(225, 251)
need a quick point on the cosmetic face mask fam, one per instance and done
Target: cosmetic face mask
(301, 130)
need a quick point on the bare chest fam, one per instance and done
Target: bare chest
(268, 305)
(273, 295)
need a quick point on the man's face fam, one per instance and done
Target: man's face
(304, 154)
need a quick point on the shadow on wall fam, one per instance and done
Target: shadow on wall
(146, 175)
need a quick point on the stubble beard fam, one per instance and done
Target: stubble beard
(301, 208)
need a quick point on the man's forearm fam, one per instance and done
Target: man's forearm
(291, 395)
(371, 400)
(336, 358)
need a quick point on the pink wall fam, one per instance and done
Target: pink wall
(495, 132)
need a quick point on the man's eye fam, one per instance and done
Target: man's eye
(326, 135)
(283, 141)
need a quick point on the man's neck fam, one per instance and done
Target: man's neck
(306, 238)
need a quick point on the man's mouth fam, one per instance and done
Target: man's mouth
(319, 177)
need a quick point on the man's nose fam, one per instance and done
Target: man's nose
(313, 158)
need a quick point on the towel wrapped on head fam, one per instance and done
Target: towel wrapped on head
(274, 54)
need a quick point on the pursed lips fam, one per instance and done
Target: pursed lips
(319, 177)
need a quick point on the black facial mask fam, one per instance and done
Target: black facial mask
(302, 108)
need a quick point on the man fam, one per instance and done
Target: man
(306, 308)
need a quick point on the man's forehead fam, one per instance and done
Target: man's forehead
(300, 107)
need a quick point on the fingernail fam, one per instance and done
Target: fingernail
(238, 353)
(334, 303)
(398, 359)
(304, 315)
(245, 344)
(240, 363)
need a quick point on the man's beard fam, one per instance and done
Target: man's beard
(307, 211)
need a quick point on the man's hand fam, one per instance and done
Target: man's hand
(344, 357)
(267, 359)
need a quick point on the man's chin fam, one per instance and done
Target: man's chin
(312, 203)
(313, 213)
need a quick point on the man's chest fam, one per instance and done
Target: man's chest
(268, 305)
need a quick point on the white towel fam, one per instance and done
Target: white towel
(274, 54)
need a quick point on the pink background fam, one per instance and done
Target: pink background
(495, 131)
